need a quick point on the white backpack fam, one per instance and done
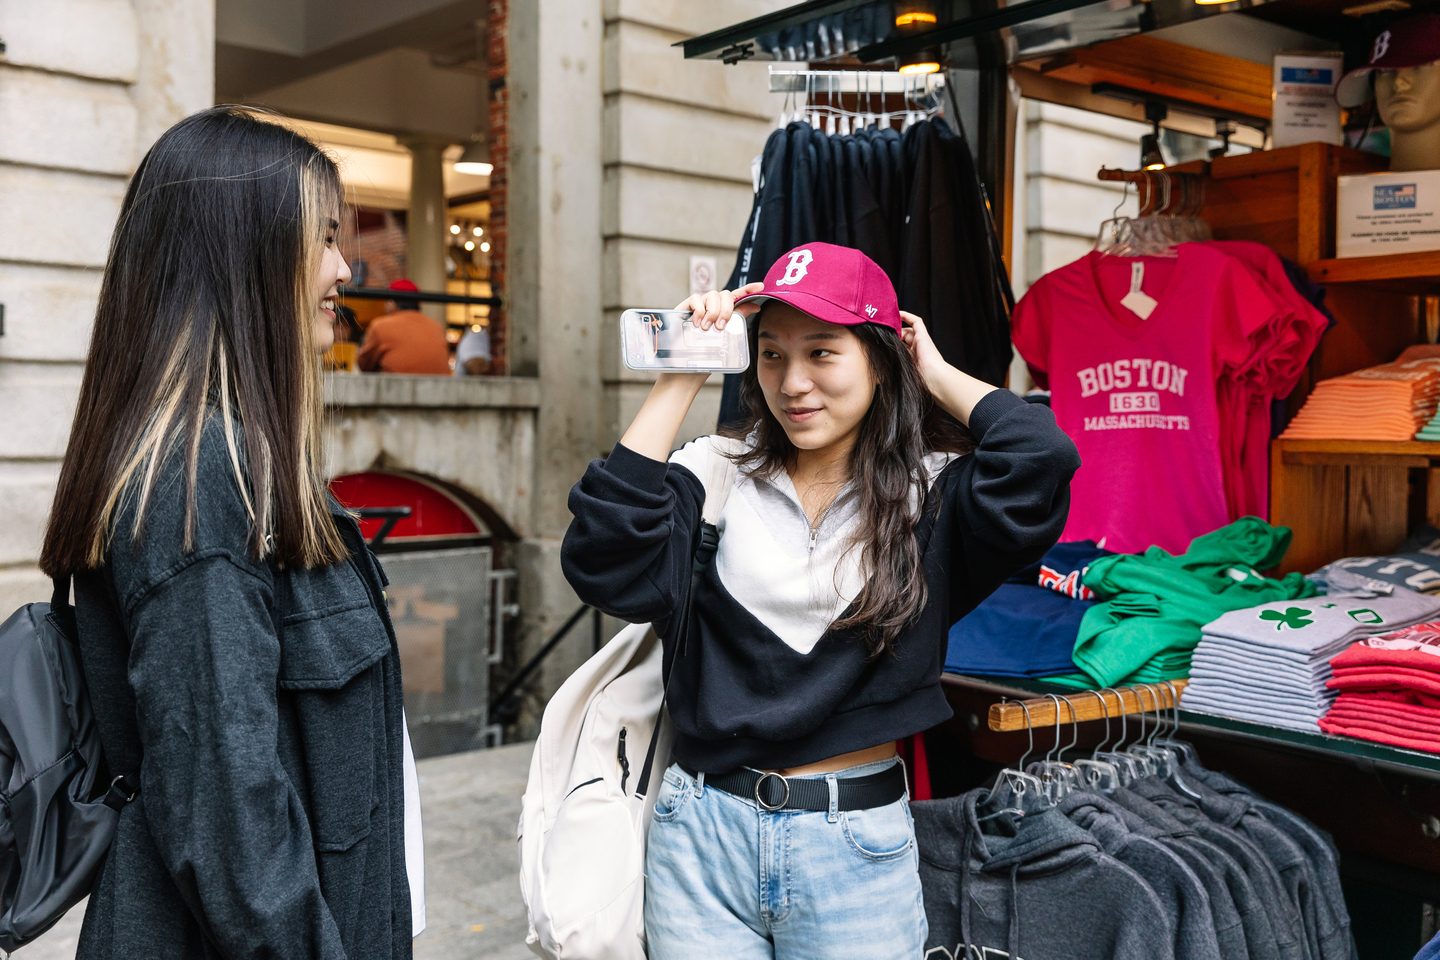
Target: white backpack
(587, 804)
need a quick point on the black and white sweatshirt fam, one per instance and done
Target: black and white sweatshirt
(763, 681)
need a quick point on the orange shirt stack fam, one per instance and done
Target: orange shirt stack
(1389, 402)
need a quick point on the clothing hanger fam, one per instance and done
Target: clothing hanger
(1167, 748)
(1057, 777)
(1126, 766)
(1162, 761)
(1098, 775)
(1015, 791)
(1188, 755)
(1109, 234)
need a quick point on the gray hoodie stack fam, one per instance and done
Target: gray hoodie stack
(1036, 888)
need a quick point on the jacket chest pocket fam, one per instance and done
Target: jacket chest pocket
(329, 669)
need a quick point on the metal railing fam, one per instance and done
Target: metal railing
(505, 708)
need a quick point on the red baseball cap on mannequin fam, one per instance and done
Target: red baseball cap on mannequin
(404, 285)
(834, 284)
(1411, 42)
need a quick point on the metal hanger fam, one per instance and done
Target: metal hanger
(1015, 791)
(1099, 775)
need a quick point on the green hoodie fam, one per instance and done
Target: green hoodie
(1156, 603)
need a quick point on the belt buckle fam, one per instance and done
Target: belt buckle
(761, 800)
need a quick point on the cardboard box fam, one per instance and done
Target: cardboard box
(1303, 91)
(1380, 213)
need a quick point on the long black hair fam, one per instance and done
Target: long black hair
(206, 305)
(887, 466)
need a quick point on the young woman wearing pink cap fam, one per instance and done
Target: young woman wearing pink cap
(862, 523)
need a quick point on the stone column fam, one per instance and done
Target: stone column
(553, 279)
(425, 250)
(87, 87)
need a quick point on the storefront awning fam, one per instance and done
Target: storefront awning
(866, 31)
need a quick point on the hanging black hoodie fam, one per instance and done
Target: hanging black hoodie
(1036, 888)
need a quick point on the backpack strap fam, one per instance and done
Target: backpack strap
(721, 477)
(61, 595)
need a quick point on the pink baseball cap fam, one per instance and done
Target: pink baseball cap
(834, 284)
(1411, 42)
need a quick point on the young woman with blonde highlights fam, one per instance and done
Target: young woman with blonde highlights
(232, 627)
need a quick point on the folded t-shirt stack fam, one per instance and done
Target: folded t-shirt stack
(1415, 564)
(1027, 627)
(1389, 689)
(1271, 664)
(1389, 402)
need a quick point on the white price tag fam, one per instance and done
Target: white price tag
(1137, 301)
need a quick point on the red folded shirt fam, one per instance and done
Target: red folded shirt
(1386, 678)
(1416, 647)
(1400, 723)
(1391, 703)
(1380, 733)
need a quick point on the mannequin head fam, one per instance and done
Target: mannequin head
(1409, 98)
(1404, 69)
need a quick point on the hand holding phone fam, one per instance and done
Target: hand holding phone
(675, 340)
(699, 335)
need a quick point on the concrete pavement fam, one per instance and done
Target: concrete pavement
(471, 803)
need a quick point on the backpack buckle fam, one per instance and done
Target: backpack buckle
(120, 793)
(708, 544)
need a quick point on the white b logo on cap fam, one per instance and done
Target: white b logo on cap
(1382, 46)
(799, 265)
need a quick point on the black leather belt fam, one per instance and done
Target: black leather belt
(774, 792)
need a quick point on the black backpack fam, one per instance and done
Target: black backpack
(55, 824)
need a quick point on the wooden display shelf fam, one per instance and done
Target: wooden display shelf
(1412, 273)
(1381, 453)
(1183, 75)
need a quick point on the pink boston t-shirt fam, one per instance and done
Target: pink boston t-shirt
(1138, 396)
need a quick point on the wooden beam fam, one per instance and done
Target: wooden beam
(1041, 711)
(1170, 71)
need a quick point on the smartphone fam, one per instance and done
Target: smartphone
(667, 340)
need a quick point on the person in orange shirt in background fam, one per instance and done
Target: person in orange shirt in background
(405, 340)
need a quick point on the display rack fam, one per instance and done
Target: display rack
(1082, 706)
(1007, 715)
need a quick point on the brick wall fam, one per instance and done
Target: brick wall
(497, 24)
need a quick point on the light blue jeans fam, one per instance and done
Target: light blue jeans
(725, 878)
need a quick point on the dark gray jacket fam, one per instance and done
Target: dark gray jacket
(267, 741)
(1199, 933)
(1036, 889)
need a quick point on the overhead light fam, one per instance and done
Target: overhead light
(485, 247)
(455, 229)
(915, 13)
(475, 160)
(469, 244)
(1150, 156)
(478, 232)
(1212, 3)
(921, 63)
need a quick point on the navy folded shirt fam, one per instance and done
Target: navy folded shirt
(1024, 629)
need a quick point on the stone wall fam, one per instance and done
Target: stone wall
(475, 432)
(85, 87)
(679, 137)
